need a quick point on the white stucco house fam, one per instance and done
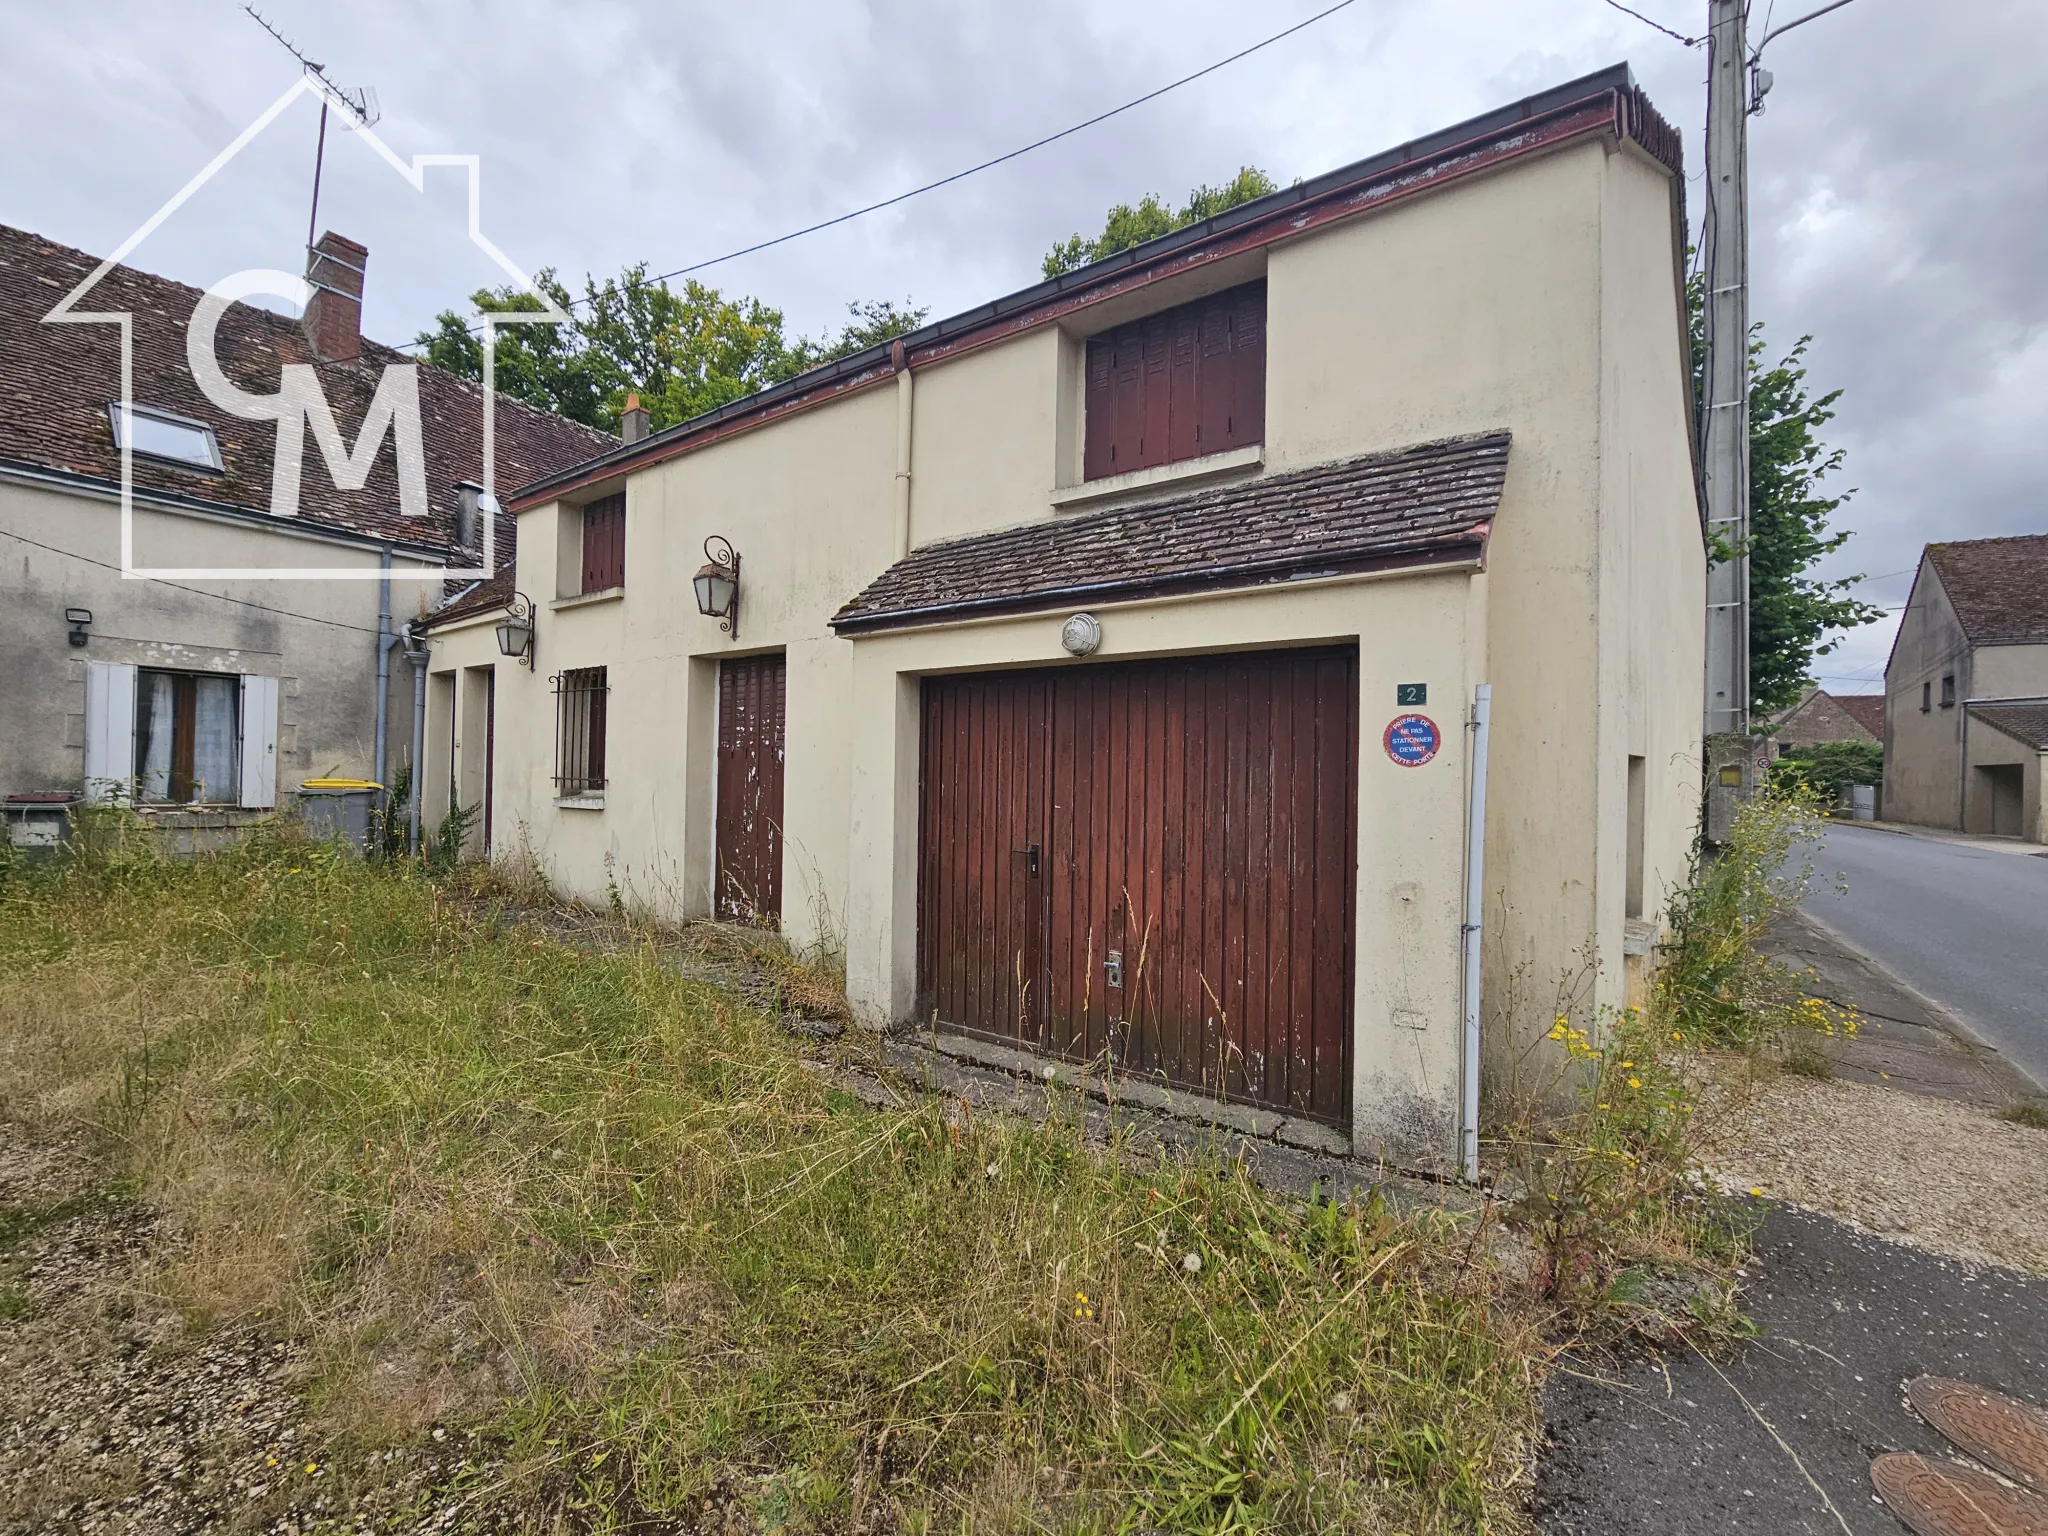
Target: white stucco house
(1099, 669)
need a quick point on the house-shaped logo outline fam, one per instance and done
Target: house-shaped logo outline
(414, 175)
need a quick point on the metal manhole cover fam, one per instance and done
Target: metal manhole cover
(2006, 1435)
(1942, 1499)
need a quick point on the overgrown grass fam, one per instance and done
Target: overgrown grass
(611, 1219)
(1601, 1125)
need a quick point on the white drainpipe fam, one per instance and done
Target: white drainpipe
(905, 395)
(1475, 908)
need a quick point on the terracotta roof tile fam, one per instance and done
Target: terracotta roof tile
(2027, 723)
(1866, 709)
(1421, 505)
(56, 382)
(1998, 587)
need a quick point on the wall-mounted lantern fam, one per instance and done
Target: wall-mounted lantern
(718, 585)
(1081, 635)
(515, 630)
(77, 618)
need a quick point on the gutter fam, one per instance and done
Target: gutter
(1605, 102)
(70, 482)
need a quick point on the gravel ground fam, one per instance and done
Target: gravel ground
(114, 1419)
(1950, 1178)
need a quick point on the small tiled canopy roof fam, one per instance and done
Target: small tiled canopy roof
(1866, 709)
(1998, 587)
(1419, 506)
(2024, 723)
(56, 382)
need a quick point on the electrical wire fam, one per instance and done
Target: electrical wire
(1690, 42)
(975, 170)
(221, 597)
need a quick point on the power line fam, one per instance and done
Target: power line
(975, 170)
(1690, 42)
(219, 597)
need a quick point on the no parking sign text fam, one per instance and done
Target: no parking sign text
(1412, 740)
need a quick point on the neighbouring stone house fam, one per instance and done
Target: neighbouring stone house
(208, 697)
(1966, 687)
(1820, 717)
(1099, 670)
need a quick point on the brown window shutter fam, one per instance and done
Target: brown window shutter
(1177, 385)
(1099, 406)
(604, 544)
(1155, 432)
(1129, 382)
(1248, 367)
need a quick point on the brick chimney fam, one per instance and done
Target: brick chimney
(333, 320)
(634, 420)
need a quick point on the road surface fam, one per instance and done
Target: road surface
(1966, 926)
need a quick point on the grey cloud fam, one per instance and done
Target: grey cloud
(1898, 199)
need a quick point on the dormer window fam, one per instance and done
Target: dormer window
(160, 435)
(1184, 384)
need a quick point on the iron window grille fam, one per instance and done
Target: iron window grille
(580, 699)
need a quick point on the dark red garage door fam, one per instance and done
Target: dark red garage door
(1154, 860)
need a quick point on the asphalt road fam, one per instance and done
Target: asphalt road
(1778, 1437)
(1966, 926)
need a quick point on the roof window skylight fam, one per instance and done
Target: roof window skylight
(160, 435)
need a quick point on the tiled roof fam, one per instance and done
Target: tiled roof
(1866, 709)
(1418, 506)
(2027, 723)
(56, 382)
(466, 601)
(1998, 587)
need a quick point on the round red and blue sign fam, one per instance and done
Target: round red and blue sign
(1412, 740)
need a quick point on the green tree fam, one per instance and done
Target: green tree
(1791, 613)
(683, 351)
(1127, 226)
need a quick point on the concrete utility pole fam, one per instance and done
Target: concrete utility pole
(1732, 771)
(1724, 245)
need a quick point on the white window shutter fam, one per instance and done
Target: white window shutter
(259, 742)
(109, 730)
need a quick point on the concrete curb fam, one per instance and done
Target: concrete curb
(1941, 1016)
(1244, 1119)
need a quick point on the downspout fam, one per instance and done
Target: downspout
(419, 653)
(899, 358)
(385, 640)
(1475, 909)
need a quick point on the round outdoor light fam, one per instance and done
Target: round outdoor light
(1081, 634)
(718, 585)
(515, 630)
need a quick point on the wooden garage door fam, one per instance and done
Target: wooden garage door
(750, 746)
(1190, 825)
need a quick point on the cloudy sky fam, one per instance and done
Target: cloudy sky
(1900, 197)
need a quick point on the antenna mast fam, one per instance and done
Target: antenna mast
(360, 105)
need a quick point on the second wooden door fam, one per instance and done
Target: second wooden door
(751, 732)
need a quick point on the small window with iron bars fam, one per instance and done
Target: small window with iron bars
(580, 695)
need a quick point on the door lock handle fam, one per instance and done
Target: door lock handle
(1031, 859)
(1113, 968)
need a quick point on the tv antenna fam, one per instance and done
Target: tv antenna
(360, 105)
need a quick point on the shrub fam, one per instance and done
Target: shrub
(1828, 768)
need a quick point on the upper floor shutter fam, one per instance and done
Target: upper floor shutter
(1178, 385)
(604, 543)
